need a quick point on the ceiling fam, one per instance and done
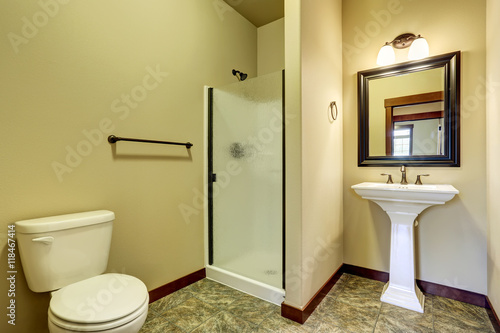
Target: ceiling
(259, 12)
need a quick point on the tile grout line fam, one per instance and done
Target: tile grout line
(432, 313)
(268, 316)
(203, 322)
(378, 315)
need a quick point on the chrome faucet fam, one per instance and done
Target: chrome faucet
(403, 175)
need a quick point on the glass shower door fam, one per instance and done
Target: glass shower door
(246, 172)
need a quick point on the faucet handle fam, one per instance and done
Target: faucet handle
(419, 182)
(389, 177)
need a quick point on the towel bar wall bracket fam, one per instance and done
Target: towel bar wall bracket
(114, 139)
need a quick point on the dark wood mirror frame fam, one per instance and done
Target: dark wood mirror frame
(450, 62)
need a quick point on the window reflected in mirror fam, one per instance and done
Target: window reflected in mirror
(402, 141)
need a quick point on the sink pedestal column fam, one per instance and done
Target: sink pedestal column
(401, 290)
(403, 203)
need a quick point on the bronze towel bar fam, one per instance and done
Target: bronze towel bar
(113, 139)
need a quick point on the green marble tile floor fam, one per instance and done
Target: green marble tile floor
(353, 305)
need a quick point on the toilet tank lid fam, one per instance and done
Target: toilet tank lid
(61, 222)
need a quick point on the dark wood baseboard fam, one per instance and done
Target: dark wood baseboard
(427, 287)
(493, 316)
(365, 272)
(453, 293)
(300, 316)
(292, 313)
(178, 284)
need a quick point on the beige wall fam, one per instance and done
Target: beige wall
(271, 47)
(492, 156)
(313, 65)
(451, 239)
(293, 154)
(68, 77)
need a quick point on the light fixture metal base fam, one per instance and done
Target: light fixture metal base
(403, 41)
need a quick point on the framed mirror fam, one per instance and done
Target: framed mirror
(409, 113)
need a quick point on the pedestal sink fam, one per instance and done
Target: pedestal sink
(403, 203)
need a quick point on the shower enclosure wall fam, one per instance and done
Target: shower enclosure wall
(246, 187)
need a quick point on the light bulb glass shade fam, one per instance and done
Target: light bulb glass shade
(386, 55)
(419, 49)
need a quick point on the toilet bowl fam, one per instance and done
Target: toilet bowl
(108, 302)
(67, 255)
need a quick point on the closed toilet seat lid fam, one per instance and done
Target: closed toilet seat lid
(100, 299)
(138, 315)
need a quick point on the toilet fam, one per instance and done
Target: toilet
(67, 255)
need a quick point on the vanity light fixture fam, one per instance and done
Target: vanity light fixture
(419, 48)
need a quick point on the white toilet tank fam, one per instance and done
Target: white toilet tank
(59, 250)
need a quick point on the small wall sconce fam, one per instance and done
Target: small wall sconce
(418, 48)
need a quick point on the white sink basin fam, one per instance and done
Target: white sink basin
(403, 203)
(429, 193)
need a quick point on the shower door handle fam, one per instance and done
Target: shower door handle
(214, 177)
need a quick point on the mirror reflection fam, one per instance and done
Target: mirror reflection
(406, 114)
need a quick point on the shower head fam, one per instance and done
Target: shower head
(239, 75)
